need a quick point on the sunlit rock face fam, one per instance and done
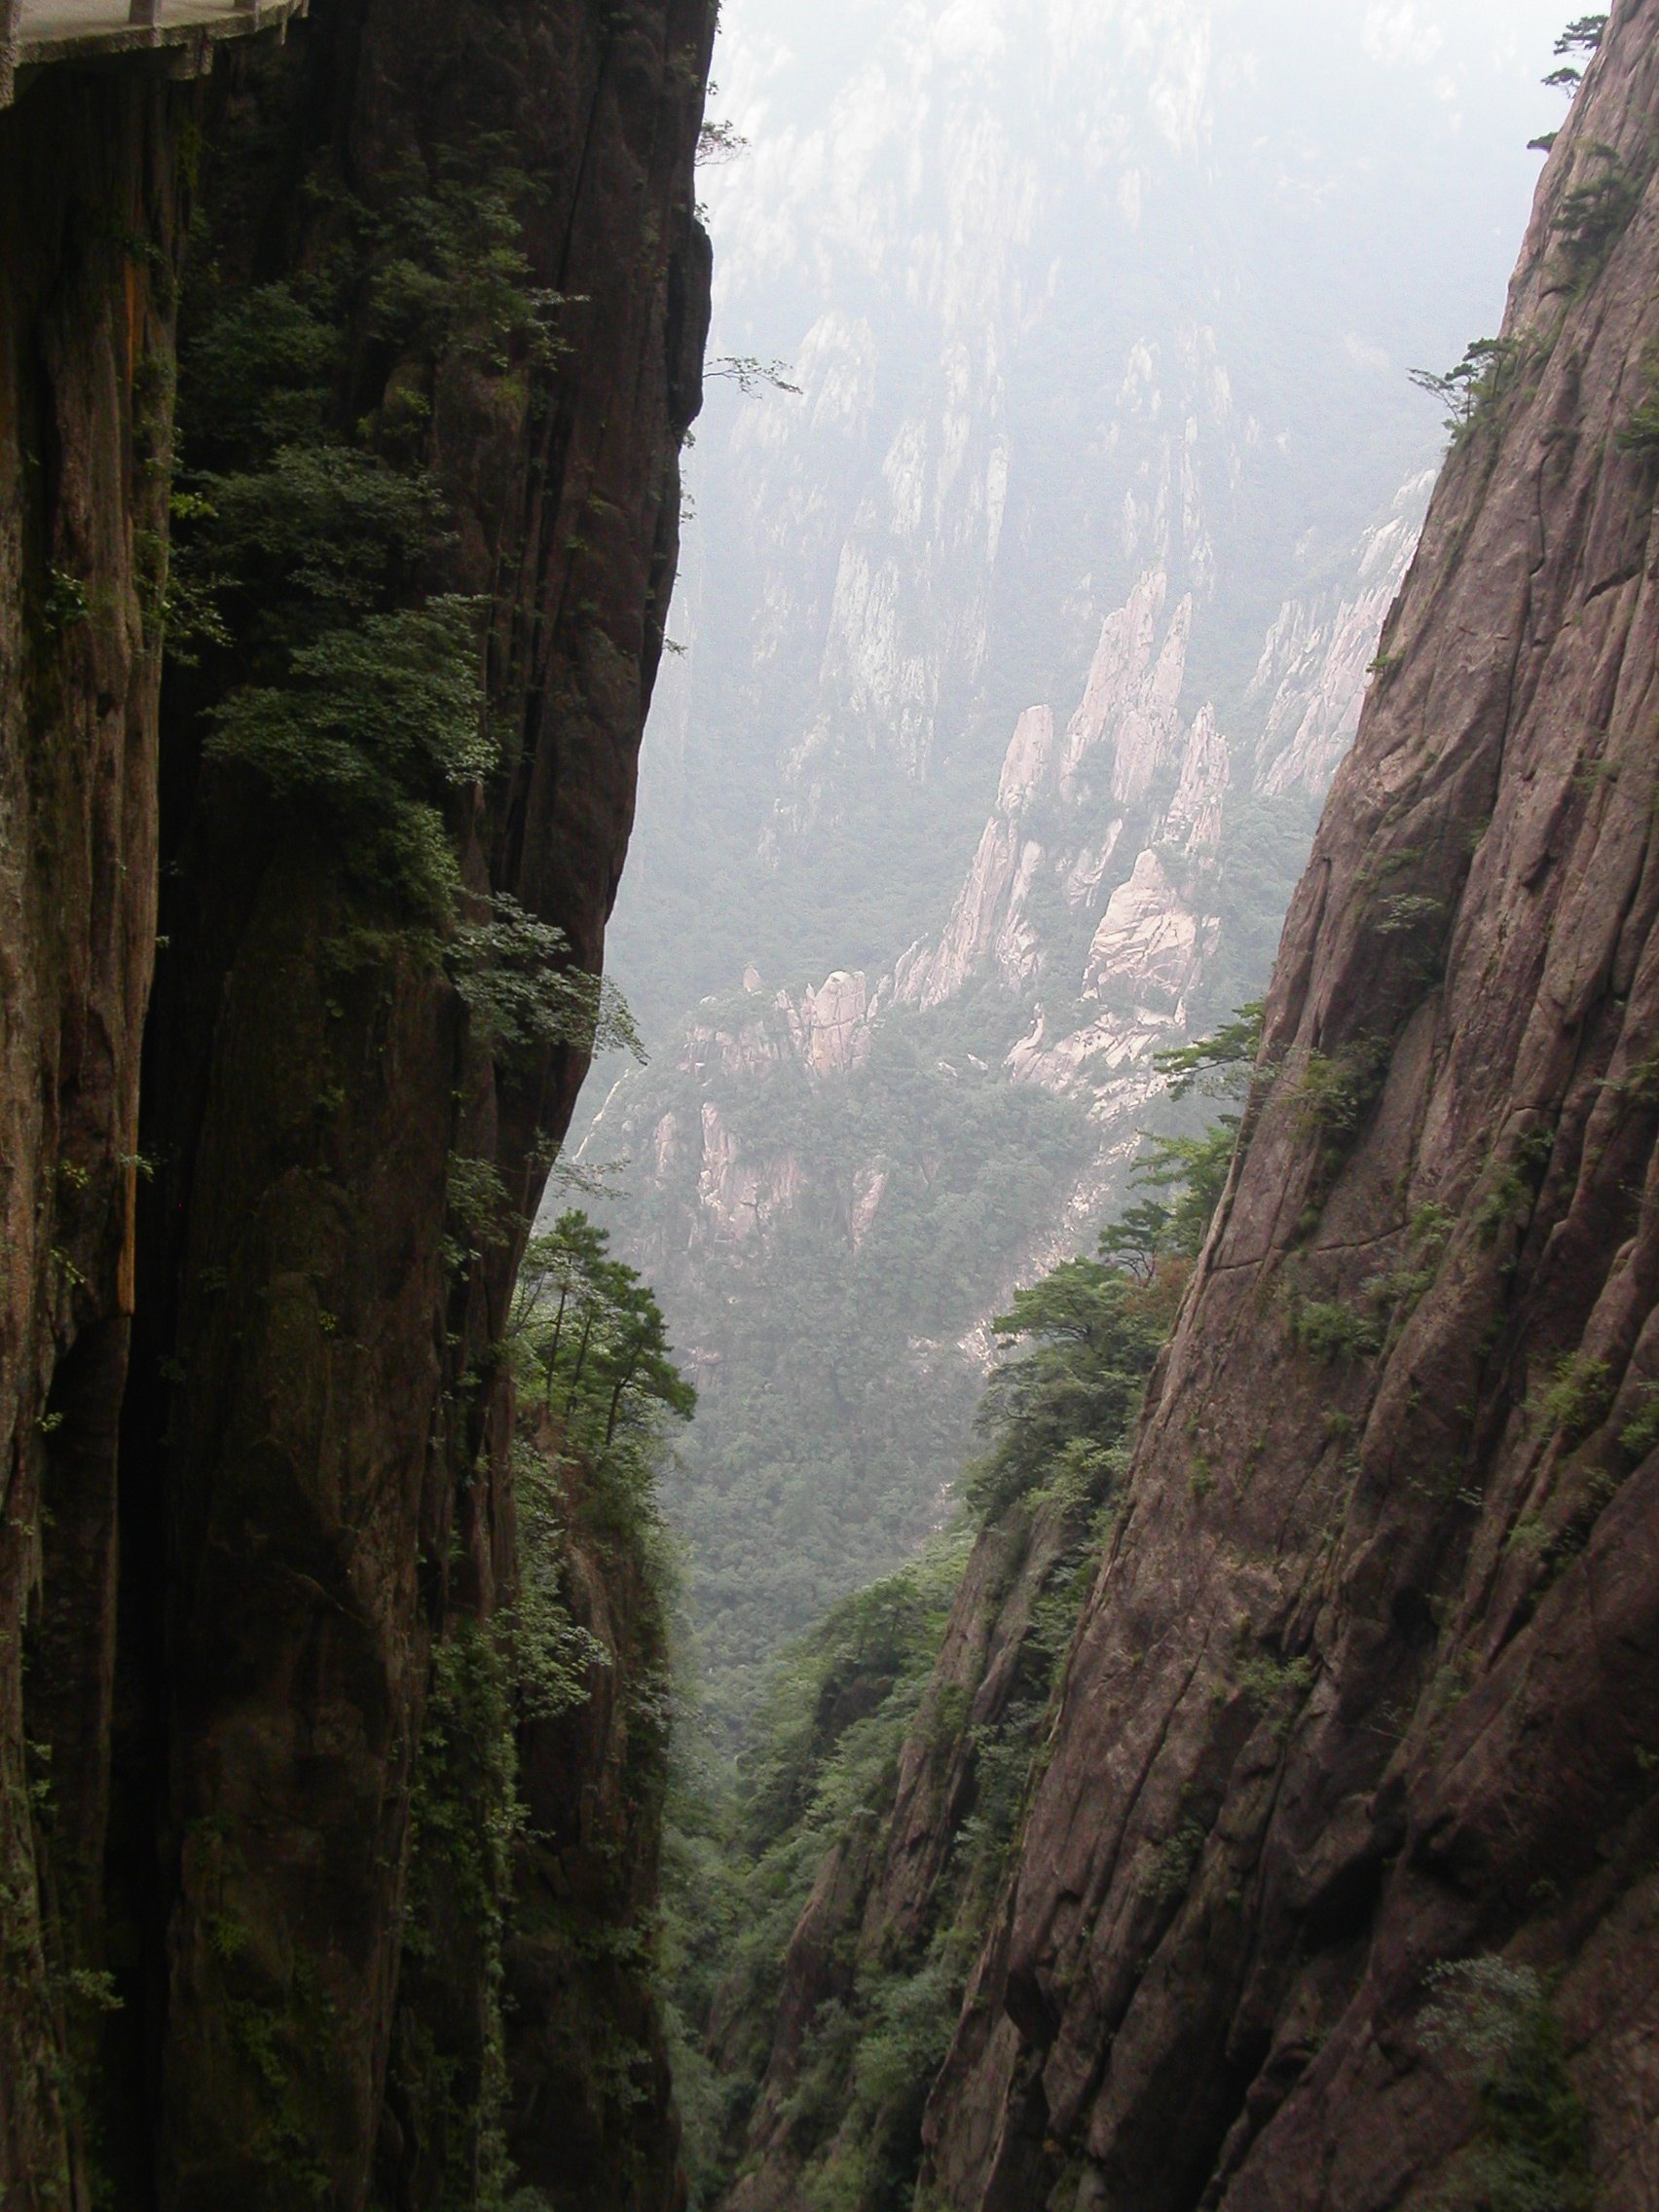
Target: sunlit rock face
(1073, 297)
(1020, 644)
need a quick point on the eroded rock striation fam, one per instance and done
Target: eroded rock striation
(1338, 1892)
(88, 311)
(254, 1827)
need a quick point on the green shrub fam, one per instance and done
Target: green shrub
(258, 375)
(514, 973)
(1579, 1397)
(1532, 2152)
(361, 742)
(1273, 1687)
(1639, 1435)
(465, 1819)
(1177, 1860)
(1595, 213)
(1408, 911)
(1513, 1185)
(1336, 1091)
(448, 271)
(1331, 1330)
(1641, 435)
(1475, 389)
(1095, 1334)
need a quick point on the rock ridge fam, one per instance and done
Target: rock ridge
(1397, 1459)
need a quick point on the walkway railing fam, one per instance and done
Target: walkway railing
(34, 33)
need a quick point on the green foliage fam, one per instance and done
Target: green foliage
(595, 1338)
(361, 741)
(1194, 1172)
(1596, 211)
(752, 375)
(1513, 1184)
(1533, 2153)
(1336, 1329)
(479, 1206)
(257, 375)
(1274, 1687)
(720, 143)
(515, 974)
(1399, 916)
(1641, 435)
(1188, 1173)
(817, 1752)
(1475, 387)
(302, 535)
(1639, 1435)
(1176, 1861)
(449, 275)
(837, 1402)
(1220, 1066)
(465, 1819)
(1583, 35)
(316, 532)
(66, 604)
(823, 1765)
(1579, 1397)
(1336, 1089)
(1330, 1329)
(1094, 1334)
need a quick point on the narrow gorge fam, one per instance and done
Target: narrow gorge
(1317, 1869)
(1098, 1650)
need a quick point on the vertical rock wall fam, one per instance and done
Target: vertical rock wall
(220, 1643)
(1338, 1891)
(90, 245)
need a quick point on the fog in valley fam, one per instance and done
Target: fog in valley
(1011, 658)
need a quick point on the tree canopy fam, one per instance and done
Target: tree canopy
(594, 1335)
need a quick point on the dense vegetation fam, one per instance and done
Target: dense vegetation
(837, 1400)
(837, 1338)
(865, 1706)
(571, 1676)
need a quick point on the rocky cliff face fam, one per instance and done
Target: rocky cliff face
(1116, 897)
(1338, 1892)
(1102, 421)
(88, 305)
(246, 1671)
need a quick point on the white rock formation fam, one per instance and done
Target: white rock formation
(831, 1026)
(1316, 664)
(739, 1197)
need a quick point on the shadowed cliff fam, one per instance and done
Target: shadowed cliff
(276, 1814)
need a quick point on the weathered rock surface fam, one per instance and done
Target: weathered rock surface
(87, 295)
(220, 1642)
(893, 1885)
(1367, 1683)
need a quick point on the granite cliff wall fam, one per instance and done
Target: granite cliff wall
(258, 1490)
(1337, 1890)
(1332, 1884)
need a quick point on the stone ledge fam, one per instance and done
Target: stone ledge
(36, 33)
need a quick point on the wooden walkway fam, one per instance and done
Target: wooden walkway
(34, 33)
